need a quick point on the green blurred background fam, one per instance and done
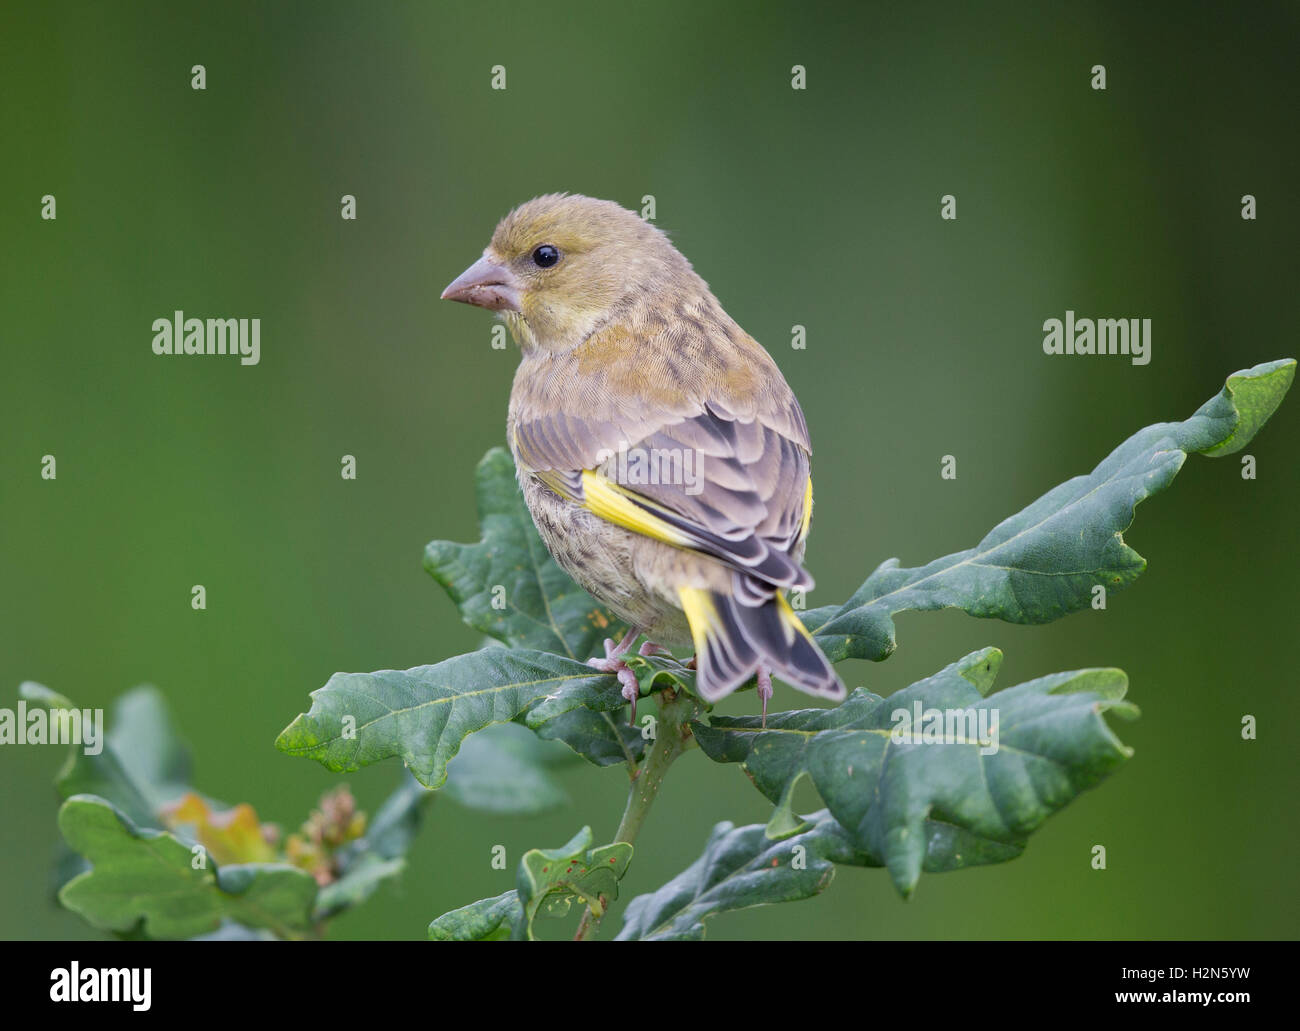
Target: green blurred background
(818, 207)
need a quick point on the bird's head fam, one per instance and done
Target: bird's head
(560, 265)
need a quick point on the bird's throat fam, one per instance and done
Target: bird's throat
(520, 331)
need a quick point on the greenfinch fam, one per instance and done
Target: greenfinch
(662, 455)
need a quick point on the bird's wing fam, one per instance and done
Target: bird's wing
(732, 487)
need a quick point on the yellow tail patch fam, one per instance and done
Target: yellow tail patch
(701, 614)
(789, 618)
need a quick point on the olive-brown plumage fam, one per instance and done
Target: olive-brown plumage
(662, 455)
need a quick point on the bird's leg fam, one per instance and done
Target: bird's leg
(613, 663)
(764, 678)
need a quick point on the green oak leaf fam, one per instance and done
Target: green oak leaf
(1044, 562)
(424, 714)
(741, 867)
(495, 919)
(656, 672)
(144, 765)
(550, 879)
(603, 737)
(936, 805)
(538, 606)
(143, 881)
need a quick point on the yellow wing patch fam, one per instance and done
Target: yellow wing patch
(807, 509)
(608, 500)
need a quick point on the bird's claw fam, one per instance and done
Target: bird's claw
(631, 690)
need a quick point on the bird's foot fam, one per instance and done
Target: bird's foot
(764, 678)
(613, 662)
(650, 648)
(614, 652)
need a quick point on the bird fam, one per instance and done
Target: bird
(663, 457)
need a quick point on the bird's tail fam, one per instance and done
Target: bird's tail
(733, 637)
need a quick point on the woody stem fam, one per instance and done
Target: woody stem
(672, 738)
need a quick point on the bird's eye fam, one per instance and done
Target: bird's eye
(545, 256)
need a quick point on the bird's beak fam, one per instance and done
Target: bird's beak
(486, 283)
